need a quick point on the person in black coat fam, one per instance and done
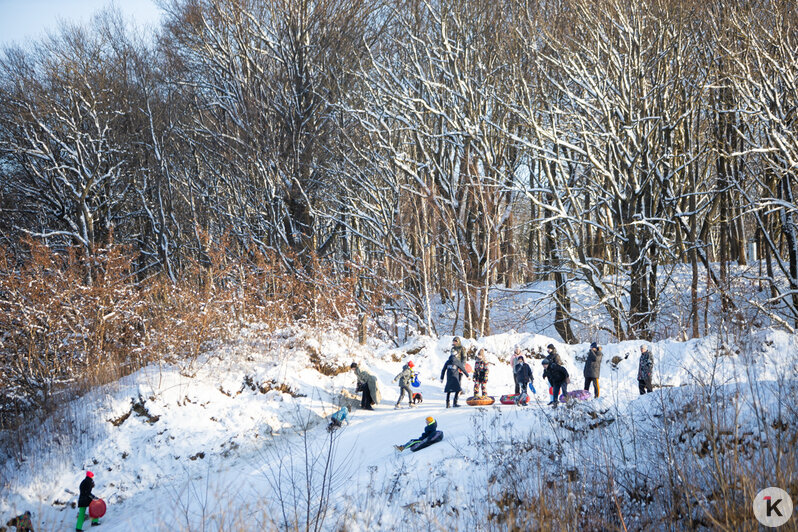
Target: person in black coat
(558, 379)
(553, 355)
(85, 498)
(593, 368)
(452, 369)
(523, 376)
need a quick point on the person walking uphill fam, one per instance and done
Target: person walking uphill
(405, 378)
(558, 379)
(84, 500)
(452, 369)
(593, 368)
(645, 370)
(367, 383)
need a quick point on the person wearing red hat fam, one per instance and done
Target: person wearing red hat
(405, 378)
(86, 496)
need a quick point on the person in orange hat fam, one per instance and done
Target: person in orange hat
(86, 496)
(429, 432)
(405, 378)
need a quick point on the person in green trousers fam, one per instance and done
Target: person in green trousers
(86, 496)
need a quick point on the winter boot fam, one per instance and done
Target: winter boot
(397, 407)
(399, 448)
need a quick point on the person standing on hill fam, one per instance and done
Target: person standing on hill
(593, 368)
(645, 370)
(366, 383)
(552, 355)
(514, 365)
(558, 379)
(84, 500)
(452, 369)
(405, 378)
(480, 374)
(459, 351)
(523, 376)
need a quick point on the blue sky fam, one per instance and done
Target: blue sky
(21, 20)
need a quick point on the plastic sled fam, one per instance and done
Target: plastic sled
(96, 508)
(438, 436)
(480, 401)
(579, 395)
(510, 399)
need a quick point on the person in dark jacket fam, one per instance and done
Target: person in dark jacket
(523, 376)
(23, 522)
(552, 354)
(85, 498)
(593, 368)
(558, 379)
(645, 370)
(514, 365)
(429, 432)
(452, 369)
(405, 378)
(481, 371)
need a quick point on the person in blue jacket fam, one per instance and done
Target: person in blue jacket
(429, 432)
(337, 419)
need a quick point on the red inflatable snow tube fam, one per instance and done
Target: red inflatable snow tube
(96, 508)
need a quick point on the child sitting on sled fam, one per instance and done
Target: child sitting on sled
(429, 432)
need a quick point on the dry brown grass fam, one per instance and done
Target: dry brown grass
(70, 322)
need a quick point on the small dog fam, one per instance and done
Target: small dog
(417, 399)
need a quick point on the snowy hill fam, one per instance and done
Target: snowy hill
(237, 441)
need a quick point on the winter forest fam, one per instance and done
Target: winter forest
(617, 171)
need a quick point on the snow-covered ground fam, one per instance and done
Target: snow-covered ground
(211, 447)
(236, 440)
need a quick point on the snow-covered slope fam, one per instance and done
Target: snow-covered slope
(237, 441)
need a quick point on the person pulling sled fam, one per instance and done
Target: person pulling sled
(84, 500)
(405, 378)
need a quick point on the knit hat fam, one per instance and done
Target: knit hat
(410, 364)
(353, 365)
(545, 362)
(550, 346)
(430, 420)
(89, 474)
(593, 345)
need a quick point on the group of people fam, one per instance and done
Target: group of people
(455, 367)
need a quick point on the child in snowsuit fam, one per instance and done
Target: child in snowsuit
(452, 369)
(337, 419)
(558, 379)
(593, 368)
(405, 378)
(645, 370)
(22, 522)
(523, 376)
(429, 432)
(86, 496)
(480, 373)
